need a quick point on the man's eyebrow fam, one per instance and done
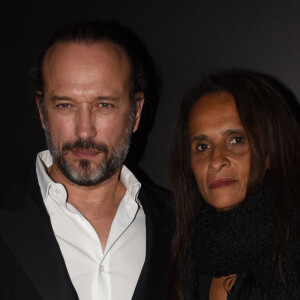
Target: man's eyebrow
(59, 98)
(62, 98)
(113, 98)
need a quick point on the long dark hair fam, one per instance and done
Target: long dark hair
(274, 138)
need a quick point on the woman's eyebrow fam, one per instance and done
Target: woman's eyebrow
(233, 130)
(224, 132)
(199, 137)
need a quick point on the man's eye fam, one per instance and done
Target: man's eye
(238, 140)
(63, 105)
(105, 105)
(202, 147)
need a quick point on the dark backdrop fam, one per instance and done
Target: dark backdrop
(186, 39)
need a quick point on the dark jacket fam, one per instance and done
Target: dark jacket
(31, 263)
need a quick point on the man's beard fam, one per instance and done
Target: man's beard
(84, 174)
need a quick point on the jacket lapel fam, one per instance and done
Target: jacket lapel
(26, 229)
(153, 279)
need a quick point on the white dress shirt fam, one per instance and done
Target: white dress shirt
(97, 275)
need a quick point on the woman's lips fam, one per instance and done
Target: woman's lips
(222, 182)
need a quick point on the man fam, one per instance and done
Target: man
(80, 225)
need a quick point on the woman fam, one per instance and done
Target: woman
(235, 184)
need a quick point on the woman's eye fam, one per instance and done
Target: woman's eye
(238, 140)
(202, 147)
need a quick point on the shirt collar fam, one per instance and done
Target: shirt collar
(132, 185)
(44, 160)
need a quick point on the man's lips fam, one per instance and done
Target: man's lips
(85, 153)
(220, 183)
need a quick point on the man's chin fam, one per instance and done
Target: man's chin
(88, 171)
(84, 179)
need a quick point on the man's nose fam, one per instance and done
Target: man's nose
(85, 123)
(219, 158)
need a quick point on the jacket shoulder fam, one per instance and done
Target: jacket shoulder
(5, 186)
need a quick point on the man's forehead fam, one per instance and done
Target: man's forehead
(104, 58)
(85, 48)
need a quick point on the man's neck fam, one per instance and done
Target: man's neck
(102, 194)
(98, 204)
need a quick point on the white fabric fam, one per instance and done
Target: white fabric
(111, 275)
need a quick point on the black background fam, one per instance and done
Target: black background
(186, 39)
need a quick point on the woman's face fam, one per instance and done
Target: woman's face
(220, 152)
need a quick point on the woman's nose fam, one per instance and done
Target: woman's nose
(219, 159)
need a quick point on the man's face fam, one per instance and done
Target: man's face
(87, 114)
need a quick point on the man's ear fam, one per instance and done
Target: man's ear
(38, 100)
(139, 106)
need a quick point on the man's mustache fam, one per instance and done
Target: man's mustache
(85, 144)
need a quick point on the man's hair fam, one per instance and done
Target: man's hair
(274, 139)
(93, 32)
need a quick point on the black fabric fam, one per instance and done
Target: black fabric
(31, 263)
(14, 283)
(242, 241)
(196, 284)
(28, 246)
(153, 280)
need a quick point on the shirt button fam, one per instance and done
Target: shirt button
(101, 268)
(81, 218)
